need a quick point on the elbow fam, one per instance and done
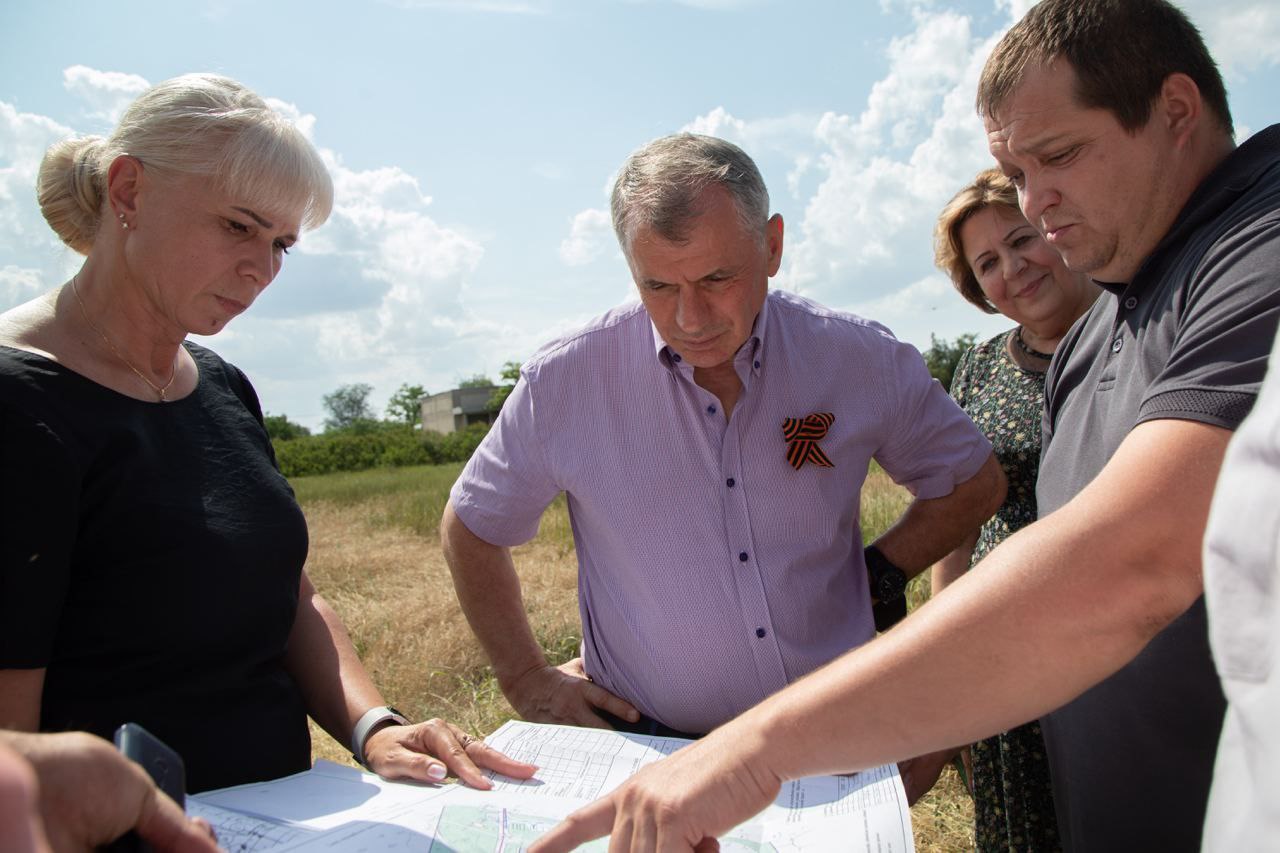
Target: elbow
(453, 533)
(447, 520)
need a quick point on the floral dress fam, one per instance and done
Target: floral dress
(1013, 801)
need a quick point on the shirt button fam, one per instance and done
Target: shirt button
(1131, 303)
(760, 632)
(757, 364)
(743, 556)
(1117, 345)
(730, 482)
(711, 410)
(675, 356)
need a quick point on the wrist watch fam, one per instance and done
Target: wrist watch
(888, 582)
(365, 726)
(888, 588)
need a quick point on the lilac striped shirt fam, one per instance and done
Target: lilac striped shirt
(711, 572)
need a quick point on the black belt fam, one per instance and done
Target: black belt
(643, 726)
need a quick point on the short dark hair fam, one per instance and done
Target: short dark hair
(1122, 51)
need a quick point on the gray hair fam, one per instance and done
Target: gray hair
(197, 124)
(660, 184)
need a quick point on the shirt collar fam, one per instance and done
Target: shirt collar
(1234, 176)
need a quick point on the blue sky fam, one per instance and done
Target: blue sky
(472, 143)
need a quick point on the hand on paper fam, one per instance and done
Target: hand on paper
(680, 803)
(921, 773)
(563, 694)
(430, 751)
(89, 795)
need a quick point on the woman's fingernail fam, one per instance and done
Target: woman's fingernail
(436, 772)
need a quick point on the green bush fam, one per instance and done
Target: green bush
(374, 445)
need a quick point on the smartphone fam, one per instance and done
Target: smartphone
(162, 764)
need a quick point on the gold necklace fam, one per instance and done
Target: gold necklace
(173, 373)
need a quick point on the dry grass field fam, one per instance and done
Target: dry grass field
(375, 555)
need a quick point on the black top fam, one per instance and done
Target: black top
(1187, 339)
(150, 555)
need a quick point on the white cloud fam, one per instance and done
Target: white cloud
(1243, 35)
(18, 285)
(886, 173)
(34, 257)
(590, 233)
(772, 134)
(1015, 8)
(304, 122)
(105, 93)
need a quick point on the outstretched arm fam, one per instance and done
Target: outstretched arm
(1007, 644)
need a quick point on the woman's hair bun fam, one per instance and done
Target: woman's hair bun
(68, 187)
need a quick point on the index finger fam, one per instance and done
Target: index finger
(588, 822)
(491, 759)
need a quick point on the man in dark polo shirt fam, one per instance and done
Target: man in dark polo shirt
(1112, 119)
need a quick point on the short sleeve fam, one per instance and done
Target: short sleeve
(1219, 353)
(506, 485)
(930, 444)
(38, 523)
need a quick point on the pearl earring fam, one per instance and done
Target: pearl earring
(123, 224)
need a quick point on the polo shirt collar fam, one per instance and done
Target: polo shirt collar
(1239, 171)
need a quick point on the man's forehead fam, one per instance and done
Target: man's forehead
(1041, 107)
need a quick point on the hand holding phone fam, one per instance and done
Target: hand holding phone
(162, 764)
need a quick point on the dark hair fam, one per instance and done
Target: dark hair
(1122, 51)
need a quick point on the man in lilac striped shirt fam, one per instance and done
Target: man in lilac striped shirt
(712, 442)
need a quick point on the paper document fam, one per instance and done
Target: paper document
(344, 810)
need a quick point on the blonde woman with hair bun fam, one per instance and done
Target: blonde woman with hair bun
(151, 553)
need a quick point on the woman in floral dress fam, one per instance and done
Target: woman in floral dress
(1000, 263)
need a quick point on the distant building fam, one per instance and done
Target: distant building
(451, 411)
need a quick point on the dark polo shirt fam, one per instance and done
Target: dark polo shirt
(1188, 338)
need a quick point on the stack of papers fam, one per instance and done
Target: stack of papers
(344, 810)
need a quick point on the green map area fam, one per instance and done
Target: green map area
(493, 829)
